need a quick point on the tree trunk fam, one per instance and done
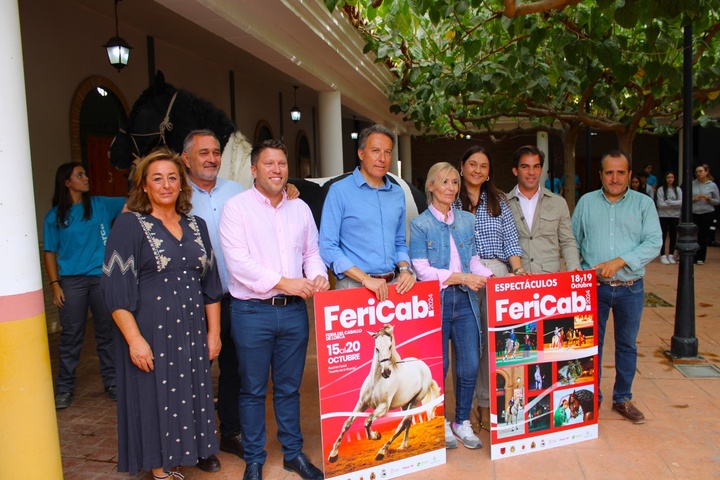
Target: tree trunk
(625, 142)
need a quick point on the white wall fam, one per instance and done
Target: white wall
(61, 47)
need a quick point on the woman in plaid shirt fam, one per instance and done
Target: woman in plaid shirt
(497, 245)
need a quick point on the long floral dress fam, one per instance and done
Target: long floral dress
(166, 416)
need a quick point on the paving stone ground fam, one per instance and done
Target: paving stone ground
(680, 440)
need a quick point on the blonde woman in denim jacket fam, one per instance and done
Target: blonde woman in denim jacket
(442, 248)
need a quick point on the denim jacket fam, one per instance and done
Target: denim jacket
(430, 238)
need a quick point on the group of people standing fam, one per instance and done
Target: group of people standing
(198, 269)
(668, 198)
(177, 303)
(529, 230)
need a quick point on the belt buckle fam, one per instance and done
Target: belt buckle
(281, 301)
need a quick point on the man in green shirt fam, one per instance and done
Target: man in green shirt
(618, 232)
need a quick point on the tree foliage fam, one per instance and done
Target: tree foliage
(499, 66)
(464, 65)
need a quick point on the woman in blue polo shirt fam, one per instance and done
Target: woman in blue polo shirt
(75, 231)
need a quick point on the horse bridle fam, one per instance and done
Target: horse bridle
(165, 126)
(400, 361)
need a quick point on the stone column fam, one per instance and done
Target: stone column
(29, 443)
(330, 133)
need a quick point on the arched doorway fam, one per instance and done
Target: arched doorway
(500, 383)
(97, 112)
(262, 132)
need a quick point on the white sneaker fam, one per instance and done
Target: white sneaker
(450, 441)
(465, 434)
(699, 262)
(664, 260)
(671, 259)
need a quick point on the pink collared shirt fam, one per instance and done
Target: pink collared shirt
(262, 243)
(426, 272)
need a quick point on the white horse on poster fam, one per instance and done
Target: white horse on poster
(392, 383)
(512, 413)
(511, 348)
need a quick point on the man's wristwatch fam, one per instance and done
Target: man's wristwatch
(405, 268)
(519, 270)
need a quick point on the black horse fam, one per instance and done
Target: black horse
(164, 115)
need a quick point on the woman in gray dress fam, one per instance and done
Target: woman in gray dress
(161, 284)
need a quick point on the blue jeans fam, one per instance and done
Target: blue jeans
(228, 380)
(460, 325)
(626, 304)
(270, 340)
(80, 292)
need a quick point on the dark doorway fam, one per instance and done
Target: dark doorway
(101, 116)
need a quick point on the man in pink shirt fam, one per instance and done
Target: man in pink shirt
(268, 243)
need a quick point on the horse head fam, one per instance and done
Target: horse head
(142, 131)
(164, 115)
(385, 349)
(574, 405)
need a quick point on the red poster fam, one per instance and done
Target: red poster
(543, 357)
(380, 363)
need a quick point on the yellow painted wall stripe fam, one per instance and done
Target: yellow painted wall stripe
(26, 402)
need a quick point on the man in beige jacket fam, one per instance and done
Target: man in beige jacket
(541, 217)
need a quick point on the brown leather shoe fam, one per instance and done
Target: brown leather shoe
(629, 411)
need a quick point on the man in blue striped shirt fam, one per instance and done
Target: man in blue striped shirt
(618, 232)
